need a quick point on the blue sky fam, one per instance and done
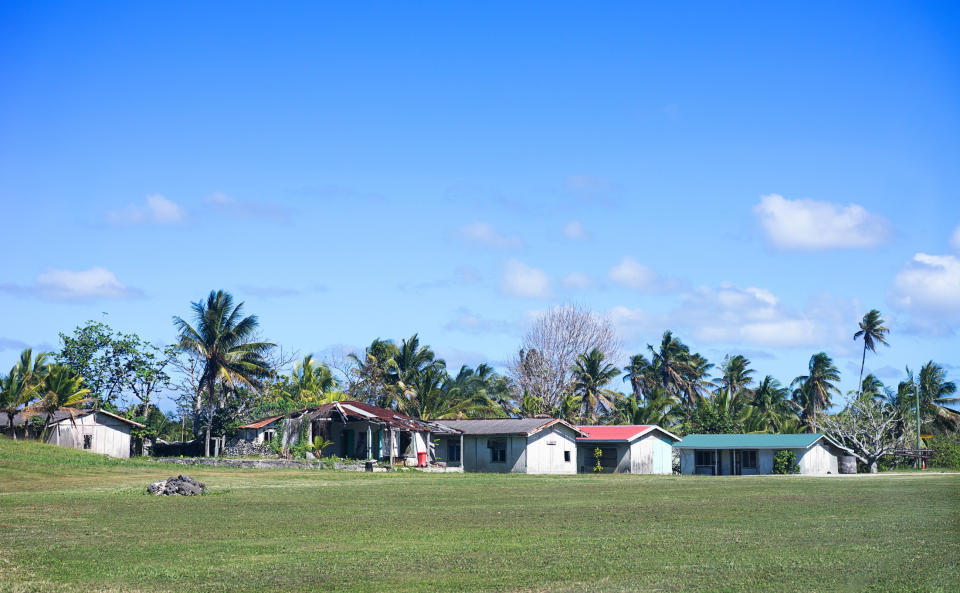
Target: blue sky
(753, 176)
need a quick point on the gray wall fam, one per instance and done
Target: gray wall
(108, 436)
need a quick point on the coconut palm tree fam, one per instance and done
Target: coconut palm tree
(223, 339)
(770, 400)
(813, 390)
(873, 332)
(672, 368)
(312, 382)
(935, 394)
(590, 374)
(658, 409)
(638, 374)
(872, 388)
(61, 388)
(735, 374)
(373, 372)
(19, 387)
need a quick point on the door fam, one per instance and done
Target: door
(737, 462)
(376, 453)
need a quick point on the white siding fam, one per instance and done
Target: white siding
(818, 459)
(545, 452)
(651, 454)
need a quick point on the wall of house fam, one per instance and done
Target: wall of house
(109, 436)
(545, 452)
(651, 454)
(476, 455)
(818, 459)
(586, 461)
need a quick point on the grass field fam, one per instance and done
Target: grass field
(71, 521)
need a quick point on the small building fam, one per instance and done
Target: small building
(752, 454)
(97, 431)
(510, 445)
(635, 449)
(356, 429)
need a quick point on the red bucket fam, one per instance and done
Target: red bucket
(421, 460)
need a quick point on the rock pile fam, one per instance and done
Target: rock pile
(180, 485)
(245, 448)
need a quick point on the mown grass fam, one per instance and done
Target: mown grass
(70, 521)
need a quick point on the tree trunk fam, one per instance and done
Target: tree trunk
(13, 429)
(863, 361)
(206, 444)
(873, 466)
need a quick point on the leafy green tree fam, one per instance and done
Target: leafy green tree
(590, 376)
(873, 331)
(374, 383)
(19, 387)
(659, 409)
(735, 374)
(639, 374)
(936, 393)
(223, 338)
(772, 411)
(814, 390)
(311, 383)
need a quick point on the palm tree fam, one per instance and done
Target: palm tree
(590, 373)
(409, 364)
(638, 373)
(19, 387)
(658, 409)
(61, 388)
(873, 332)
(373, 371)
(813, 390)
(872, 388)
(223, 338)
(935, 394)
(735, 375)
(672, 367)
(771, 405)
(313, 382)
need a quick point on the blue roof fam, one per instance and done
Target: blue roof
(750, 441)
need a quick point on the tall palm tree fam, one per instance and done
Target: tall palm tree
(61, 388)
(19, 387)
(658, 409)
(410, 362)
(872, 388)
(813, 390)
(771, 404)
(873, 332)
(672, 367)
(223, 338)
(638, 374)
(935, 394)
(373, 371)
(735, 374)
(590, 374)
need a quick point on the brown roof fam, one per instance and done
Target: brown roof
(356, 410)
(261, 423)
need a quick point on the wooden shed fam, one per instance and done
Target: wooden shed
(89, 430)
(626, 449)
(751, 454)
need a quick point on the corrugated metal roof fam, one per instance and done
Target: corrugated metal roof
(749, 441)
(261, 423)
(620, 432)
(504, 426)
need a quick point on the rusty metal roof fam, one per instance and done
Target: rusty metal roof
(356, 410)
(261, 423)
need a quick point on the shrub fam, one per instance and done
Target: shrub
(785, 462)
(946, 451)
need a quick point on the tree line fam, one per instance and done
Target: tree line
(223, 373)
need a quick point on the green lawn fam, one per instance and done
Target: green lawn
(71, 521)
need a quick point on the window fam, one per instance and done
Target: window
(566, 456)
(498, 451)
(88, 441)
(453, 451)
(748, 459)
(705, 462)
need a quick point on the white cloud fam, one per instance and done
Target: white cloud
(481, 233)
(67, 285)
(157, 210)
(812, 225)
(576, 281)
(469, 322)
(751, 316)
(632, 274)
(228, 205)
(955, 239)
(521, 280)
(574, 231)
(929, 288)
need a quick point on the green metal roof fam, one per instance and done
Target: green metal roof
(748, 441)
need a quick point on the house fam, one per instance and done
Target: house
(749, 454)
(98, 431)
(636, 449)
(510, 445)
(356, 429)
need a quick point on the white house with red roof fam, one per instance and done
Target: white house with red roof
(626, 449)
